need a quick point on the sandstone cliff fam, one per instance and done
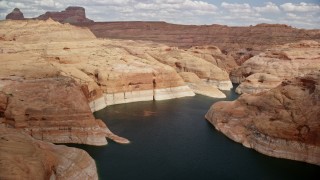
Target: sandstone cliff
(200, 87)
(258, 82)
(189, 61)
(284, 62)
(50, 109)
(283, 122)
(109, 71)
(23, 157)
(240, 42)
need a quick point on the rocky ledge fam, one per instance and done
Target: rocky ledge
(258, 82)
(109, 71)
(240, 43)
(200, 87)
(23, 157)
(53, 76)
(283, 122)
(277, 64)
(50, 109)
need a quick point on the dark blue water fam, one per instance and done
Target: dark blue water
(172, 140)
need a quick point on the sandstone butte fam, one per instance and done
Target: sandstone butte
(23, 157)
(16, 14)
(268, 69)
(238, 42)
(283, 122)
(53, 76)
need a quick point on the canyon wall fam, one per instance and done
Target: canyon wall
(52, 76)
(269, 68)
(283, 122)
(50, 109)
(23, 157)
(241, 43)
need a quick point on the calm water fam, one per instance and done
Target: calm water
(172, 140)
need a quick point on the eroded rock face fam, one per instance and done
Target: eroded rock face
(16, 14)
(258, 82)
(23, 157)
(285, 62)
(200, 87)
(72, 14)
(184, 61)
(50, 109)
(239, 42)
(214, 55)
(109, 71)
(283, 122)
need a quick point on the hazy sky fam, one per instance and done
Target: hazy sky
(302, 14)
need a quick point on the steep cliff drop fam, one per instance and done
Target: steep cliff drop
(283, 122)
(23, 157)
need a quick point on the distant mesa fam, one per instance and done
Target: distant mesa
(239, 42)
(72, 14)
(16, 14)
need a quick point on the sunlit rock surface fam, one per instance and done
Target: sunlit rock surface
(23, 157)
(283, 122)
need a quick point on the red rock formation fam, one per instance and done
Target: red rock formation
(51, 109)
(16, 14)
(240, 42)
(22, 157)
(286, 61)
(72, 14)
(283, 122)
(258, 82)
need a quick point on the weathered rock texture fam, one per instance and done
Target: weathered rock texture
(189, 61)
(16, 14)
(109, 71)
(200, 87)
(285, 62)
(50, 109)
(258, 82)
(23, 157)
(240, 42)
(72, 14)
(283, 122)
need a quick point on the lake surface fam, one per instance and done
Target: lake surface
(172, 140)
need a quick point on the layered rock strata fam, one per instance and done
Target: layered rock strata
(285, 62)
(239, 42)
(23, 157)
(187, 61)
(50, 109)
(258, 82)
(283, 122)
(200, 87)
(109, 71)
(72, 72)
